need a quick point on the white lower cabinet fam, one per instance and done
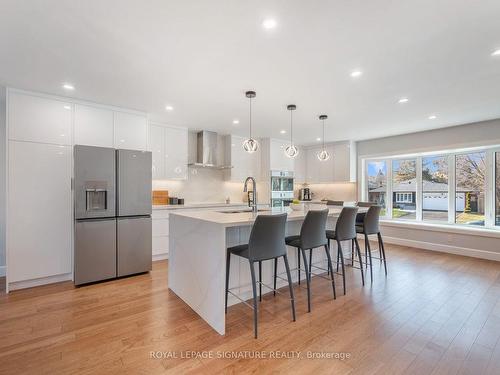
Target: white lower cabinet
(160, 234)
(39, 211)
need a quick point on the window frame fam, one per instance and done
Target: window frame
(490, 188)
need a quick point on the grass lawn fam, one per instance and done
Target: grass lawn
(397, 213)
(466, 217)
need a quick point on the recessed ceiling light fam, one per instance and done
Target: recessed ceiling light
(236, 122)
(403, 100)
(169, 108)
(318, 139)
(269, 24)
(68, 86)
(282, 131)
(356, 73)
(67, 107)
(496, 53)
(432, 117)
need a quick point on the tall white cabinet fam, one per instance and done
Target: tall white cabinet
(169, 146)
(341, 167)
(41, 132)
(39, 234)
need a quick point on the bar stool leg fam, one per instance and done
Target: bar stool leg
(360, 261)
(338, 258)
(289, 277)
(381, 246)
(369, 252)
(298, 263)
(308, 280)
(341, 255)
(275, 273)
(254, 288)
(310, 260)
(228, 263)
(327, 249)
(260, 281)
(352, 252)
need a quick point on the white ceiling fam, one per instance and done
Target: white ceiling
(201, 56)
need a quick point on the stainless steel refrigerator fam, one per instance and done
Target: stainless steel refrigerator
(112, 190)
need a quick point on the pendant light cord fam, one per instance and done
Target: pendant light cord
(250, 118)
(323, 135)
(291, 128)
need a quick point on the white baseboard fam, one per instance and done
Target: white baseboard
(475, 253)
(157, 257)
(41, 281)
(3, 270)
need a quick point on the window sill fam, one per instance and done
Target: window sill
(447, 228)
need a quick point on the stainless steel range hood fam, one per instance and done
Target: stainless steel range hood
(206, 155)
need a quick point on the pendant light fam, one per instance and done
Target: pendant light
(250, 145)
(323, 155)
(291, 150)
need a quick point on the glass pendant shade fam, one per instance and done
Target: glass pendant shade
(250, 145)
(291, 151)
(323, 155)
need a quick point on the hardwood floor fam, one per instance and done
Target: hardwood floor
(434, 314)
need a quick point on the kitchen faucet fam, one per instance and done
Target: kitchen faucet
(254, 198)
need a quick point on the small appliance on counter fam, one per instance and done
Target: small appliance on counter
(305, 194)
(175, 201)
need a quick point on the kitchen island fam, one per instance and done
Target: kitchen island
(197, 261)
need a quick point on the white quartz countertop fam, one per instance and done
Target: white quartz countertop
(197, 205)
(247, 218)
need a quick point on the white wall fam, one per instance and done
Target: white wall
(484, 245)
(3, 144)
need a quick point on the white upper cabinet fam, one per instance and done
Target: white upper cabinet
(169, 146)
(131, 131)
(176, 153)
(300, 167)
(274, 158)
(341, 167)
(344, 158)
(244, 164)
(40, 211)
(157, 147)
(279, 161)
(93, 126)
(39, 119)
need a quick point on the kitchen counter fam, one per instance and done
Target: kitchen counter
(198, 240)
(197, 205)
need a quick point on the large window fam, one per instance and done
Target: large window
(435, 188)
(377, 183)
(404, 182)
(497, 188)
(459, 187)
(470, 172)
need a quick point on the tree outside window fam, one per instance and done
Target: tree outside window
(470, 172)
(404, 178)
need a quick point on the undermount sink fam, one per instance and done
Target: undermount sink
(242, 211)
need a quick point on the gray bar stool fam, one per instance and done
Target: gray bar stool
(266, 242)
(345, 229)
(312, 235)
(370, 226)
